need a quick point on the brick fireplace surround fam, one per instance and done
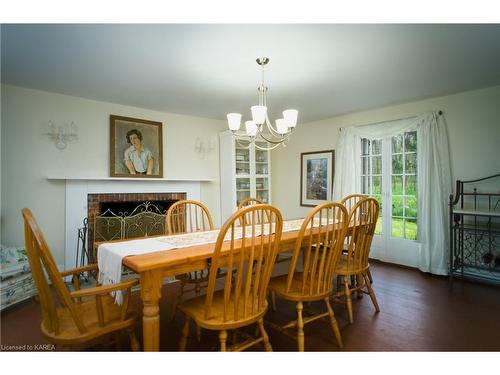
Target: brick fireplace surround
(95, 201)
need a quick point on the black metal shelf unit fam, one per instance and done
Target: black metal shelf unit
(475, 230)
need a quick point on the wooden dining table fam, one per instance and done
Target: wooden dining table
(153, 267)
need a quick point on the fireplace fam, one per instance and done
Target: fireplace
(114, 216)
(83, 195)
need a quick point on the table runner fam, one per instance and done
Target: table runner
(110, 255)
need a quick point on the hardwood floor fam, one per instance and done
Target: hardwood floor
(418, 313)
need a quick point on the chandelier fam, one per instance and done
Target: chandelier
(255, 129)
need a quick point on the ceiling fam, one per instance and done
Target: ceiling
(322, 70)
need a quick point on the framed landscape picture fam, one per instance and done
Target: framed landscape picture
(316, 177)
(136, 147)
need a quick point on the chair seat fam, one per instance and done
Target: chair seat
(195, 309)
(343, 269)
(278, 285)
(69, 332)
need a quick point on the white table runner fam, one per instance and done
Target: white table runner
(110, 255)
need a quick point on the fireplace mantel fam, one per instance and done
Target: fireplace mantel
(75, 178)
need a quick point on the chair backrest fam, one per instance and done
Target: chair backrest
(188, 216)
(350, 201)
(41, 260)
(317, 250)
(248, 202)
(247, 258)
(363, 220)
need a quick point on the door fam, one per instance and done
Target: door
(389, 174)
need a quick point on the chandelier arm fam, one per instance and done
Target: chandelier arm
(271, 140)
(273, 131)
(267, 148)
(247, 146)
(239, 138)
(276, 144)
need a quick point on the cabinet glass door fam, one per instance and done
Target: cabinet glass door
(262, 189)
(242, 161)
(242, 189)
(261, 159)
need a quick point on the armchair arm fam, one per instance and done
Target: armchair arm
(104, 289)
(78, 270)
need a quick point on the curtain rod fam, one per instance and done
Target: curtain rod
(440, 113)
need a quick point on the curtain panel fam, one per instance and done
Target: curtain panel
(433, 176)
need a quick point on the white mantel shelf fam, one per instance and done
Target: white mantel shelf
(55, 178)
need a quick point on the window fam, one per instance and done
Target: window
(390, 165)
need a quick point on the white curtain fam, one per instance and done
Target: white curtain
(433, 174)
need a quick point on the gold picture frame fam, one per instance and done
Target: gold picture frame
(136, 147)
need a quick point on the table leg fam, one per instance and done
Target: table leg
(150, 295)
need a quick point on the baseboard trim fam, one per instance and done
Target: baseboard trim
(373, 260)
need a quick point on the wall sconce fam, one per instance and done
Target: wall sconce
(204, 146)
(62, 135)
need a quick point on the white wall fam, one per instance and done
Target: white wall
(473, 122)
(28, 156)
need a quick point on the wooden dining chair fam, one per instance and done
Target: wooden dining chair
(349, 202)
(246, 250)
(310, 276)
(249, 202)
(74, 318)
(283, 256)
(187, 216)
(362, 219)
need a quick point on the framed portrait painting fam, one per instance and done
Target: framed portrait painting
(136, 147)
(316, 177)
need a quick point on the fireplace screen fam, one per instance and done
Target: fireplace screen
(145, 220)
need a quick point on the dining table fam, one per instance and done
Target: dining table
(154, 267)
